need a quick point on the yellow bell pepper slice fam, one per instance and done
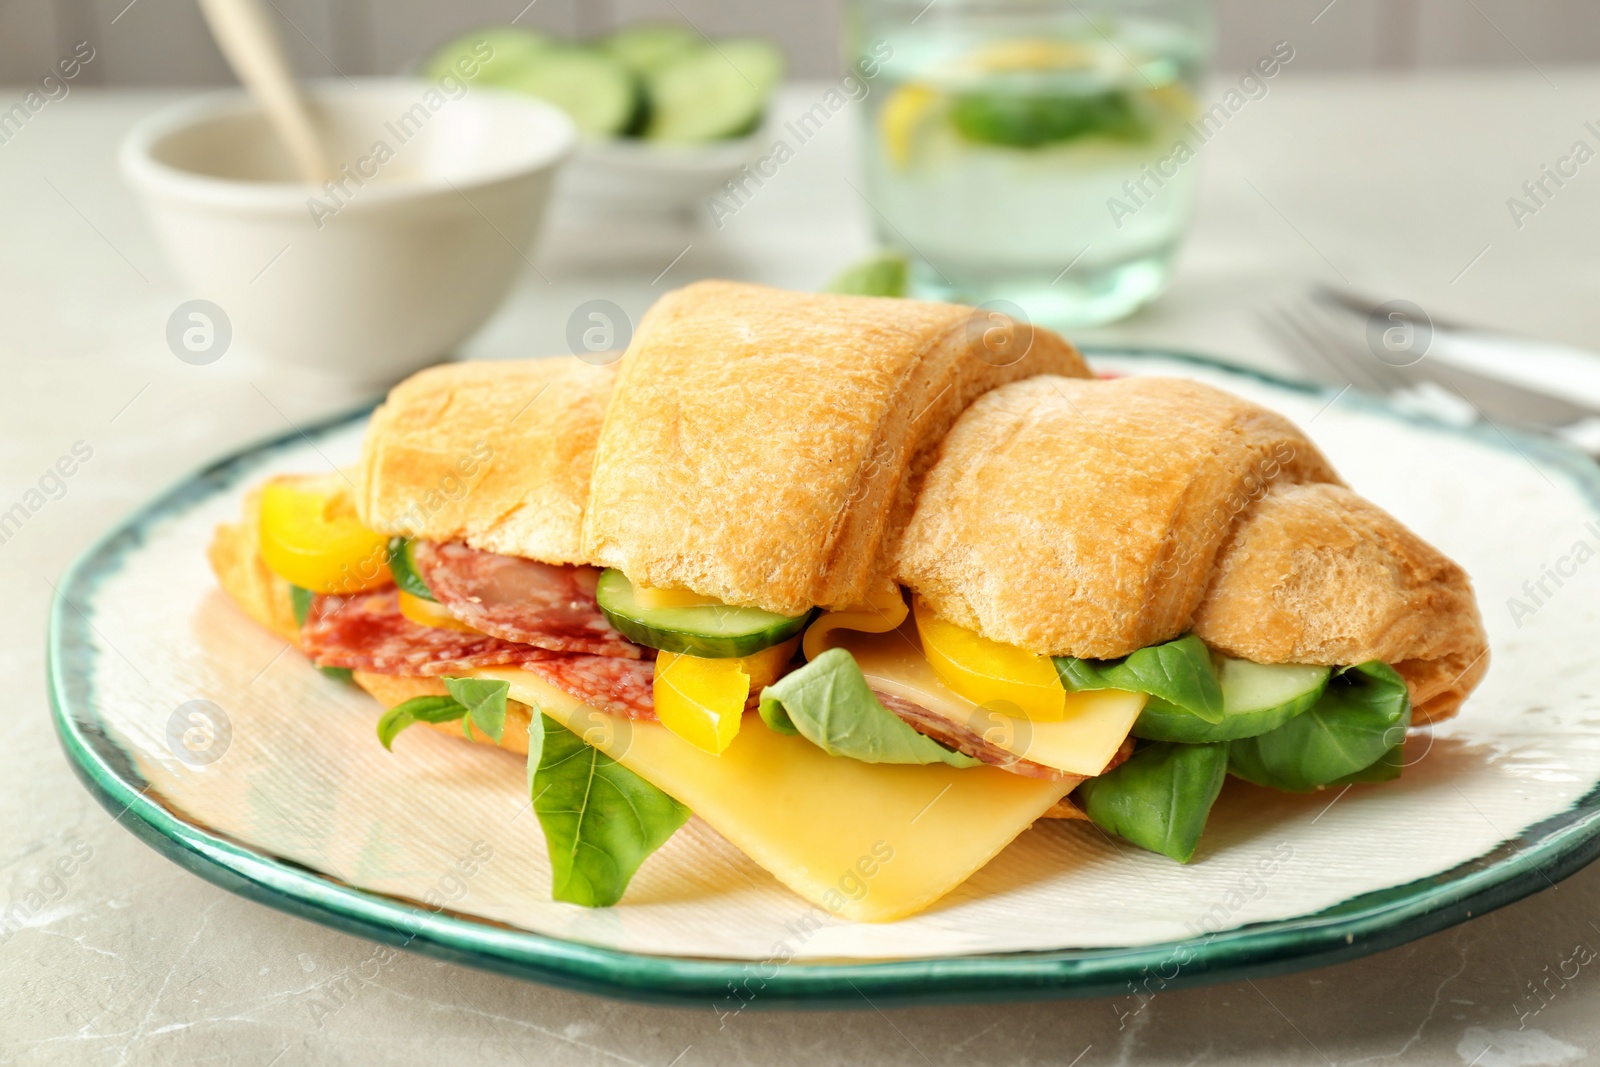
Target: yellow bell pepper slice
(988, 672)
(702, 700)
(310, 536)
(767, 666)
(427, 613)
(884, 610)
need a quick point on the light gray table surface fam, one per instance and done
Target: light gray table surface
(1396, 186)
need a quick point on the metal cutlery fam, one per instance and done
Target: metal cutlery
(1329, 339)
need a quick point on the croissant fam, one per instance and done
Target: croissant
(757, 455)
(1095, 518)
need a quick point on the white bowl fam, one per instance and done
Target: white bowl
(642, 179)
(380, 277)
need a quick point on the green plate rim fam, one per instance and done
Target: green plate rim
(1534, 859)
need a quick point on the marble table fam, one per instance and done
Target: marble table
(1397, 186)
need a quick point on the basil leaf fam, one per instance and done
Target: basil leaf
(600, 819)
(485, 701)
(829, 703)
(343, 674)
(535, 744)
(1361, 717)
(417, 709)
(1160, 797)
(1178, 675)
(403, 568)
(1387, 769)
(300, 601)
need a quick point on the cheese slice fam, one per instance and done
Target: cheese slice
(884, 610)
(1082, 742)
(868, 842)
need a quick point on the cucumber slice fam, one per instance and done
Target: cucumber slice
(500, 54)
(714, 92)
(1029, 120)
(597, 91)
(648, 46)
(714, 631)
(760, 61)
(1256, 697)
(403, 568)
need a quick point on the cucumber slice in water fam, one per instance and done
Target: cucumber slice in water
(648, 46)
(714, 92)
(596, 90)
(1256, 697)
(1029, 120)
(714, 631)
(500, 54)
(403, 568)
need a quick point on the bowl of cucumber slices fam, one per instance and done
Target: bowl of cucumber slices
(666, 115)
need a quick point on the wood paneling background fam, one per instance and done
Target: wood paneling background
(163, 42)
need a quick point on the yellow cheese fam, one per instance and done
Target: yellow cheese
(645, 597)
(427, 613)
(883, 611)
(868, 842)
(1081, 742)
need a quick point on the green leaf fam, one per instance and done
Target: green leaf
(417, 709)
(1387, 769)
(1160, 797)
(535, 744)
(403, 568)
(300, 601)
(881, 274)
(485, 701)
(1178, 675)
(600, 819)
(829, 703)
(343, 674)
(1361, 717)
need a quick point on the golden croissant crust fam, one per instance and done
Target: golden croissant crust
(1094, 518)
(496, 454)
(763, 446)
(1317, 574)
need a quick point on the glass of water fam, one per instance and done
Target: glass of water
(1029, 150)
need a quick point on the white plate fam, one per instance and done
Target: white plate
(433, 847)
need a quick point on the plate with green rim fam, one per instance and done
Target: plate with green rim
(298, 809)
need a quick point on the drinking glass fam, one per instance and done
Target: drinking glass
(1029, 150)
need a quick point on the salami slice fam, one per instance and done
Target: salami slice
(366, 632)
(521, 600)
(967, 741)
(610, 684)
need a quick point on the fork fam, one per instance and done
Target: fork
(1329, 345)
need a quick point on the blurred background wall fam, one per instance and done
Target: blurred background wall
(162, 42)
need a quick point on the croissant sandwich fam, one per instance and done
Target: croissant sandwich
(867, 585)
